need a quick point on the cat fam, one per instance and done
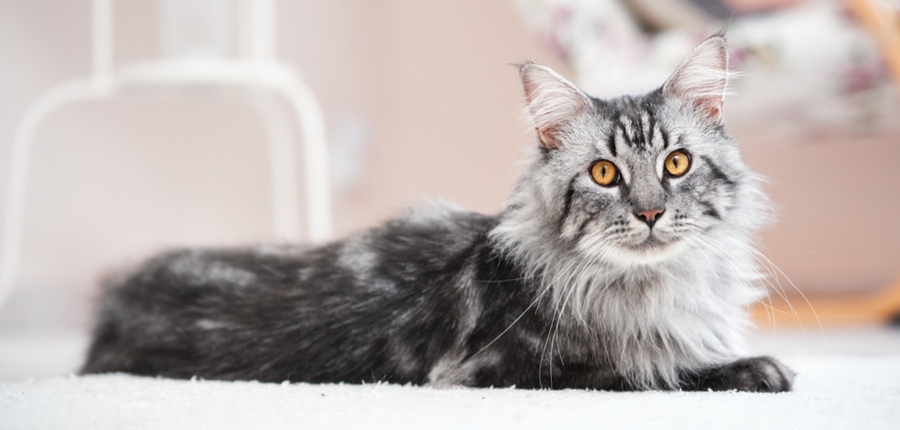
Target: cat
(623, 260)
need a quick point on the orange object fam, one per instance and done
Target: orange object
(884, 25)
(795, 310)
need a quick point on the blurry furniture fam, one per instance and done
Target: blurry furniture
(195, 38)
(883, 23)
(810, 69)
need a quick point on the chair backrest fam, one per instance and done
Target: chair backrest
(191, 29)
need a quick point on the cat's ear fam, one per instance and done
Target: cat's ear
(552, 101)
(702, 79)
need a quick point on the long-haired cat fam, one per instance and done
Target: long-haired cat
(623, 261)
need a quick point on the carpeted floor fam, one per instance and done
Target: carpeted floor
(846, 379)
(835, 392)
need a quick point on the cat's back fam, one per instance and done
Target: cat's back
(433, 231)
(426, 237)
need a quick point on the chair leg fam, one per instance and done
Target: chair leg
(282, 167)
(311, 125)
(13, 222)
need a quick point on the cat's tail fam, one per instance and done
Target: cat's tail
(106, 352)
(102, 355)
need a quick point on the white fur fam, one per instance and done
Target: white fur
(195, 270)
(552, 99)
(703, 78)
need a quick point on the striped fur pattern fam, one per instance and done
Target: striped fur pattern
(566, 288)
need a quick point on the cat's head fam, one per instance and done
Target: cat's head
(635, 179)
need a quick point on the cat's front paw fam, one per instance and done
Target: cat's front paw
(756, 374)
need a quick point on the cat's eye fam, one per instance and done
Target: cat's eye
(677, 163)
(605, 173)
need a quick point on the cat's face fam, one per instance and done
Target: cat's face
(636, 179)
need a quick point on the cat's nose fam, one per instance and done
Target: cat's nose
(650, 216)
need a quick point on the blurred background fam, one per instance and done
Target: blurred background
(420, 101)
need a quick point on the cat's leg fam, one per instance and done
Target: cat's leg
(757, 374)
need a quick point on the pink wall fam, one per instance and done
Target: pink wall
(426, 89)
(836, 200)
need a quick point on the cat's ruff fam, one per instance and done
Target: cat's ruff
(612, 267)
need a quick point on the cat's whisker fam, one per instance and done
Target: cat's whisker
(573, 281)
(727, 256)
(510, 326)
(775, 310)
(571, 287)
(501, 281)
(808, 303)
(570, 264)
(770, 307)
(775, 285)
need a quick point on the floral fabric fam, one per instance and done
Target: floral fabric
(809, 70)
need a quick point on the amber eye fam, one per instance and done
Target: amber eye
(605, 173)
(678, 163)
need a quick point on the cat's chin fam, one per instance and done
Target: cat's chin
(648, 252)
(651, 244)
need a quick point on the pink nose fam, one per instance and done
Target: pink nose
(650, 216)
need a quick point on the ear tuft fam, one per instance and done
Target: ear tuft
(702, 79)
(552, 101)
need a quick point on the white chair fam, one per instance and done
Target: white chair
(195, 38)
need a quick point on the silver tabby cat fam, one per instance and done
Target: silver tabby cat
(623, 261)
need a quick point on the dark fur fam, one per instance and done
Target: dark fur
(333, 327)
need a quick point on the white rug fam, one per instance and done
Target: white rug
(861, 392)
